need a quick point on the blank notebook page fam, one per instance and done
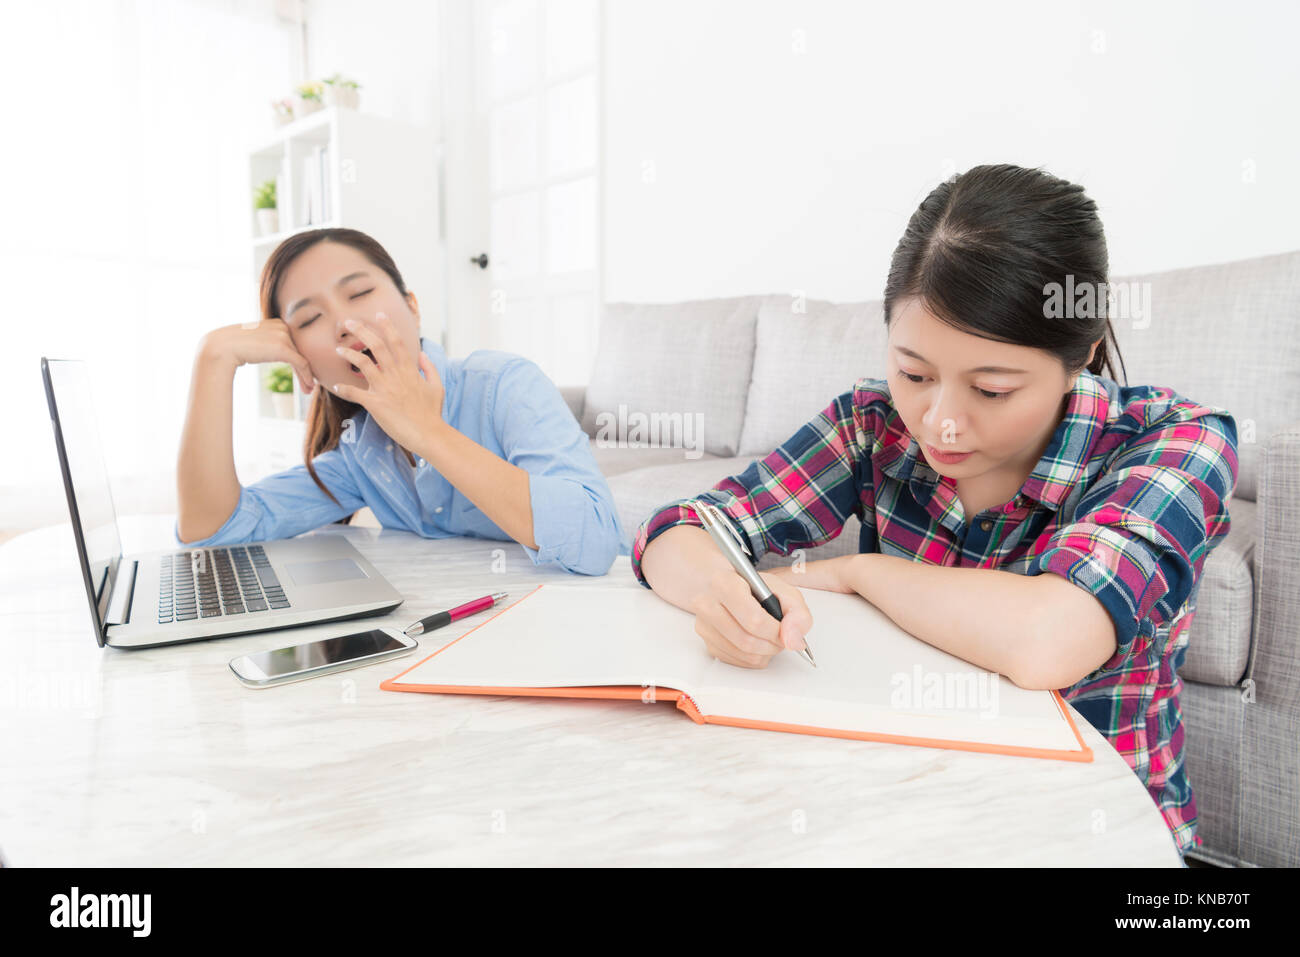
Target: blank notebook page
(568, 635)
(871, 676)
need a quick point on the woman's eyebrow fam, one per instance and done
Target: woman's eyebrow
(917, 355)
(307, 299)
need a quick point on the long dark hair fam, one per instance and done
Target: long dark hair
(328, 411)
(982, 249)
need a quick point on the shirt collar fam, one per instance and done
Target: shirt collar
(1060, 468)
(435, 353)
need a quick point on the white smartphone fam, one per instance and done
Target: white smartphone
(315, 658)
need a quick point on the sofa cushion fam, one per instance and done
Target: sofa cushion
(1237, 316)
(638, 494)
(1218, 639)
(1237, 348)
(674, 359)
(614, 460)
(805, 354)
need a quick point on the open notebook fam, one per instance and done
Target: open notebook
(873, 681)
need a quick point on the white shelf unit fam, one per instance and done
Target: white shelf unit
(382, 178)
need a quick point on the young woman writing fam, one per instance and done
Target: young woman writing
(482, 446)
(994, 445)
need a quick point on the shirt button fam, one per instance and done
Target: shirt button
(438, 509)
(986, 525)
(389, 447)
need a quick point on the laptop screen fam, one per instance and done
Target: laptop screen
(85, 479)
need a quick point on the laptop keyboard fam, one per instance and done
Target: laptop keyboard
(209, 582)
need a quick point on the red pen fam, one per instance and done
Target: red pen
(447, 617)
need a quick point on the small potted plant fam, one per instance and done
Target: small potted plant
(279, 382)
(268, 217)
(309, 98)
(283, 111)
(342, 92)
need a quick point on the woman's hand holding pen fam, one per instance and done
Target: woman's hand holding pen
(735, 627)
(404, 393)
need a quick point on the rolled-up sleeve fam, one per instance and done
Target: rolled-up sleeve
(287, 503)
(575, 522)
(1140, 535)
(798, 496)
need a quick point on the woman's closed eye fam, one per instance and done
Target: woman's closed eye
(317, 316)
(984, 392)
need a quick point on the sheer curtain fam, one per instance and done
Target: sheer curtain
(127, 220)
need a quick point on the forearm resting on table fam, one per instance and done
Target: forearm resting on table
(996, 620)
(497, 488)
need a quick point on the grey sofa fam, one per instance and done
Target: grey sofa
(733, 378)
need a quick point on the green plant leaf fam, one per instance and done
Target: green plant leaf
(264, 195)
(279, 378)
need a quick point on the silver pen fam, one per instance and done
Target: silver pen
(720, 530)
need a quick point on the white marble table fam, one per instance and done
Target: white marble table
(160, 757)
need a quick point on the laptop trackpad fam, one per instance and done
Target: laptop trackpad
(319, 573)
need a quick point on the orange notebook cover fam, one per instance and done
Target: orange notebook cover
(874, 681)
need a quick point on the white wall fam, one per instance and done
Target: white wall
(394, 50)
(778, 146)
(127, 215)
(390, 47)
(755, 146)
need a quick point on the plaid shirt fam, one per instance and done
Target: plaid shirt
(1127, 501)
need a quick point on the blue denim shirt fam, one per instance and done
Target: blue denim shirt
(503, 402)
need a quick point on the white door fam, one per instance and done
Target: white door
(521, 94)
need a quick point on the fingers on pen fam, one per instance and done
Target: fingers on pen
(795, 616)
(724, 648)
(750, 618)
(751, 639)
(792, 635)
(796, 623)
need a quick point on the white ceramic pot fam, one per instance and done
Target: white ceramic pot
(282, 403)
(268, 221)
(336, 95)
(305, 107)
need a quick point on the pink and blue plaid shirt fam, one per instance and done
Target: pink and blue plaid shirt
(1129, 498)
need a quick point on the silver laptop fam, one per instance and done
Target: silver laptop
(161, 598)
